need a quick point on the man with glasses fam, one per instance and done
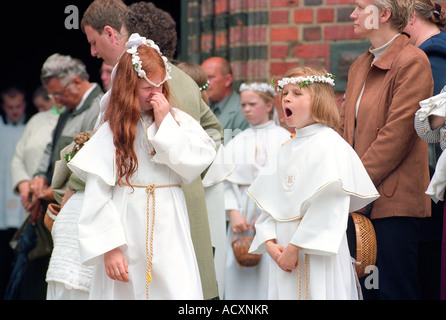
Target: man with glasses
(67, 82)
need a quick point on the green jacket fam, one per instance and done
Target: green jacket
(188, 98)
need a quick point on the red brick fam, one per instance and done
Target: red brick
(284, 34)
(256, 34)
(303, 16)
(221, 39)
(339, 32)
(256, 3)
(236, 35)
(221, 6)
(325, 15)
(237, 68)
(339, 1)
(255, 69)
(206, 42)
(306, 51)
(280, 68)
(279, 17)
(312, 33)
(237, 4)
(247, 35)
(284, 3)
(279, 51)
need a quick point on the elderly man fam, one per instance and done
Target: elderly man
(67, 82)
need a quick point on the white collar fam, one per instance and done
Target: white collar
(309, 130)
(85, 96)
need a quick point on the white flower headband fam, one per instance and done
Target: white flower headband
(262, 87)
(132, 45)
(305, 81)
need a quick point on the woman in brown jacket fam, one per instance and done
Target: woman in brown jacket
(384, 88)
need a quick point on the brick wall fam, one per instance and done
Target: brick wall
(303, 32)
(264, 38)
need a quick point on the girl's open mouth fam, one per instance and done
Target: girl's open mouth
(288, 113)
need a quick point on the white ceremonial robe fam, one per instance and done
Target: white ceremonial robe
(215, 204)
(67, 277)
(249, 151)
(319, 181)
(116, 216)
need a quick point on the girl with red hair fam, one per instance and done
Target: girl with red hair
(144, 151)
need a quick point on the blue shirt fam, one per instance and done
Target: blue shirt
(435, 49)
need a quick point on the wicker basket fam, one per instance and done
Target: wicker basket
(240, 246)
(51, 213)
(365, 243)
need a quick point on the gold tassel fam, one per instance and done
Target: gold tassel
(149, 276)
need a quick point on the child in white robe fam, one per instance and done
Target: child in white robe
(305, 205)
(133, 226)
(249, 151)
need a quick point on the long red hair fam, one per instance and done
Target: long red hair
(123, 111)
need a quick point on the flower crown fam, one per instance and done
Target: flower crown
(132, 45)
(205, 86)
(305, 81)
(262, 87)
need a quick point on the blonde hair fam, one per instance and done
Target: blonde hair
(267, 97)
(401, 12)
(323, 103)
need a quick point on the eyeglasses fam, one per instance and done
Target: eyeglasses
(60, 94)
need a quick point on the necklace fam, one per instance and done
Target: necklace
(152, 150)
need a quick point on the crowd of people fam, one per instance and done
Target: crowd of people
(139, 187)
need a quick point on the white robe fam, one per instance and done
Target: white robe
(116, 216)
(319, 180)
(249, 151)
(67, 277)
(215, 204)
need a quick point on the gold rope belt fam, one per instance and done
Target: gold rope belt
(150, 192)
(299, 277)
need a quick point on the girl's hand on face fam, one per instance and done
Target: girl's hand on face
(161, 107)
(116, 265)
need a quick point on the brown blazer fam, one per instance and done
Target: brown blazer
(385, 138)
